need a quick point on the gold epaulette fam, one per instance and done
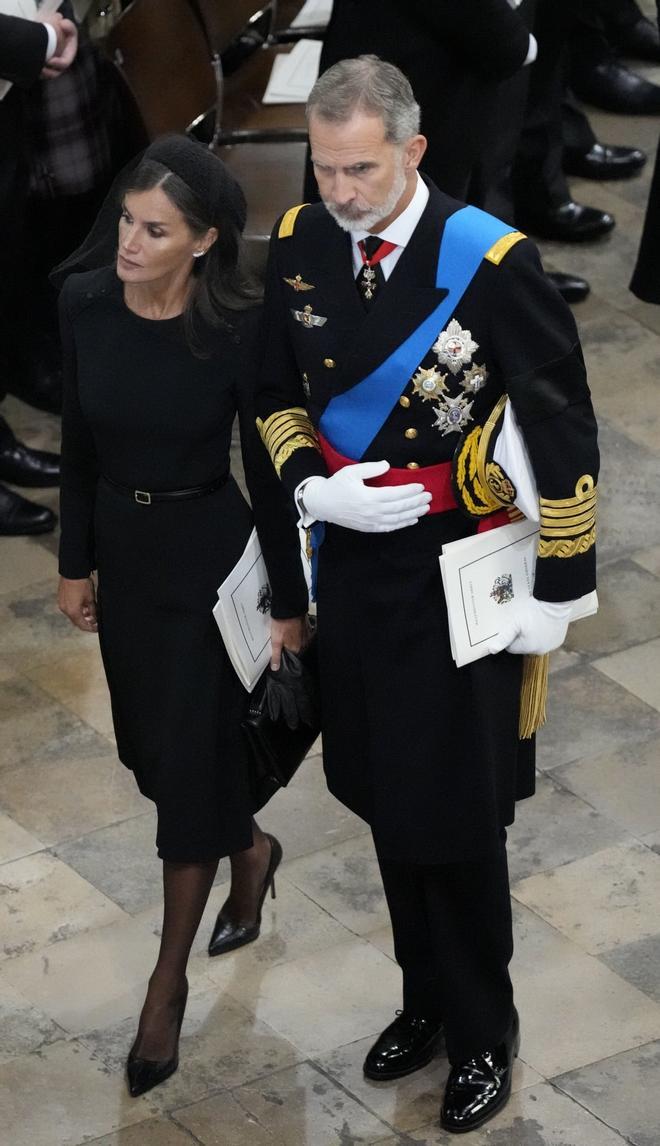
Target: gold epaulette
(286, 431)
(503, 246)
(288, 221)
(568, 524)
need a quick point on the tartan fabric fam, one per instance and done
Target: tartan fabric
(67, 129)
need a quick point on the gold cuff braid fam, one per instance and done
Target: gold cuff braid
(286, 431)
(568, 525)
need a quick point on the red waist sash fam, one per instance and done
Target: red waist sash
(435, 479)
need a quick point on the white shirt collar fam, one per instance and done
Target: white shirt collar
(400, 230)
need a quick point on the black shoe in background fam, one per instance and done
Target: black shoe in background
(478, 1088)
(21, 518)
(572, 288)
(408, 1044)
(604, 161)
(568, 223)
(21, 465)
(613, 87)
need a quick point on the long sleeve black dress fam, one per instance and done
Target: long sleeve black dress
(141, 410)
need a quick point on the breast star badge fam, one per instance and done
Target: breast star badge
(453, 414)
(474, 379)
(454, 347)
(298, 284)
(429, 383)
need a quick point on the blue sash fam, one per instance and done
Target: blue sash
(351, 421)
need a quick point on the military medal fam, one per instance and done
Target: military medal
(453, 414)
(429, 384)
(307, 318)
(298, 283)
(454, 347)
(474, 378)
(368, 280)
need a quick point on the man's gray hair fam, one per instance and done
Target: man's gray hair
(370, 85)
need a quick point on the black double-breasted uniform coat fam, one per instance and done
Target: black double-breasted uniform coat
(427, 753)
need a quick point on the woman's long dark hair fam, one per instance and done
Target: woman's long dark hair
(220, 284)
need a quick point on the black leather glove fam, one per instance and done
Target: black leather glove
(291, 692)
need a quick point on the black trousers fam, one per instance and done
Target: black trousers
(453, 941)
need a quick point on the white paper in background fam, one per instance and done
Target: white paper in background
(242, 617)
(313, 14)
(26, 10)
(294, 73)
(477, 601)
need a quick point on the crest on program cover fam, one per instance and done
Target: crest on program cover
(264, 599)
(502, 591)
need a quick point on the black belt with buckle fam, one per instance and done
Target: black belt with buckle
(146, 497)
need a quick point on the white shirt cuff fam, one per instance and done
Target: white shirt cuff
(532, 51)
(52, 41)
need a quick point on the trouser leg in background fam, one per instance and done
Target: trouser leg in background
(453, 941)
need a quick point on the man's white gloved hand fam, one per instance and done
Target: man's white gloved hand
(344, 499)
(533, 627)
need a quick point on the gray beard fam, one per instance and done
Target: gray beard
(368, 220)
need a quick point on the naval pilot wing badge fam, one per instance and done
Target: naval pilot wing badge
(307, 318)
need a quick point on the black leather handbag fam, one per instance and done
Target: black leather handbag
(282, 723)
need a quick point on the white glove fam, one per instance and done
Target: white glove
(533, 627)
(344, 499)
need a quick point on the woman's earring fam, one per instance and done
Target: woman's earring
(198, 254)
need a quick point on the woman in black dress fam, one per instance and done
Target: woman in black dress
(160, 353)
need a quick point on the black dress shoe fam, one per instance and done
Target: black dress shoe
(19, 517)
(604, 161)
(640, 40)
(571, 287)
(613, 87)
(228, 935)
(478, 1088)
(408, 1044)
(569, 223)
(21, 465)
(145, 1073)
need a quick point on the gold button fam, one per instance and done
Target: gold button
(412, 465)
(410, 433)
(330, 363)
(404, 401)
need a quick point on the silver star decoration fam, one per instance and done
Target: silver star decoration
(453, 414)
(474, 378)
(454, 347)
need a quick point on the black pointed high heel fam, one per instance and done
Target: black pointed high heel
(227, 935)
(145, 1073)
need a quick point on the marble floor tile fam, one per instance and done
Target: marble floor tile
(622, 785)
(43, 902)
(222, 1046)
(222, 1120)
(305, 817)
(636, 670)
(90, 981)
(383, 939)
(120, 861)
(326, 999)
(628, 614)
(589, 714)
(77, 680)
(32, 626)
(573, 1009)
(554, 828)
(638, 963)
(628, 479)
(78, 1098)
(23, 564)
(63, 799)
(649, 559)
(152, 1132)
(15, 841)
(601, 900)
(24, 1027)
(345, 881)
(34, 727)
(623, 1092)
(537, 1116)
(297, 1106)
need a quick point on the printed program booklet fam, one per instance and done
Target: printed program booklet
(482, 576)
(243, 612)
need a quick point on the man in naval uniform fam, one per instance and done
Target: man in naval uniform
(396, 322)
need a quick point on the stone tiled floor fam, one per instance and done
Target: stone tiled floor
(275, 1034)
